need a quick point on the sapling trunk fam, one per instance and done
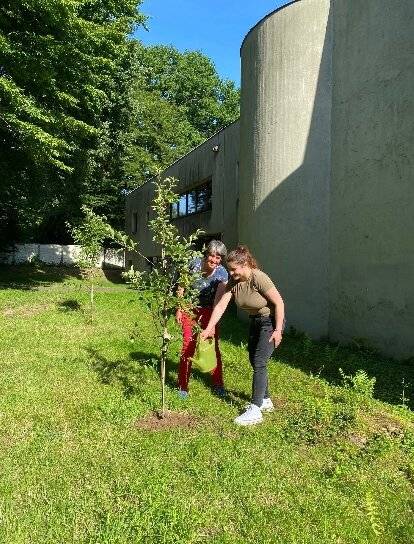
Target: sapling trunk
(92, 300)
(165, 275)
(163, 359)
(165, 340)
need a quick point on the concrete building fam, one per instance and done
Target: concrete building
(318, 177)
(208, 175)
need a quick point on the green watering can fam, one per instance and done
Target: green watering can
(205, 355)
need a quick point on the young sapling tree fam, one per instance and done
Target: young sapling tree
(90, 235)
(168, 285)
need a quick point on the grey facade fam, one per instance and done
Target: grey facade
(324, 190)
(217, 160)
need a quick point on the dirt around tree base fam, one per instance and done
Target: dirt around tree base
(171, 420)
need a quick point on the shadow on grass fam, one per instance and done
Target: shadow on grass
(171, 368)
(394, 378)
(114, 275)
(126, 373)
(132, 374)
(324, 359)
(69, 305)
(28, 277)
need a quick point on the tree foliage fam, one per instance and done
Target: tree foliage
(179, 101)
(90, 234)
(65, 72)
(87, 113)
(171, 270)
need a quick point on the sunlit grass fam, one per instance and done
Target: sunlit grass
(329, 466)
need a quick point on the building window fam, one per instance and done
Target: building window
(195, 201)
(134, 226)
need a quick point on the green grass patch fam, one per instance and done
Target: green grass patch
(333, 464)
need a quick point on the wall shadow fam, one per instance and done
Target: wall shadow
(324, 359)
(298, 251)
(114, 275)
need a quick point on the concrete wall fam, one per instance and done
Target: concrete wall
(326, 165)
(285, 155)
(191, 170)
(372, 188)
(326, 190)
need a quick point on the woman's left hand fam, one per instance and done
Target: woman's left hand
(276, 338)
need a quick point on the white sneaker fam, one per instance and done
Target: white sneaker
(251, 416)
(267, 405)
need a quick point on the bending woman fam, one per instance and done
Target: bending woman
(211, 286)
(254, 292)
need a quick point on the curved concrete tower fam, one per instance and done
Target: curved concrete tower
(285, 153)
(327, 166)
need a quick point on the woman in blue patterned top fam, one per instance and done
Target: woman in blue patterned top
(211, 287)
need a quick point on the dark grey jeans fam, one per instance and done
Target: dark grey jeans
(260, 351)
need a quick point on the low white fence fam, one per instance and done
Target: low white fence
(59, 255)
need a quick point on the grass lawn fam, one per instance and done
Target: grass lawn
(330, 465)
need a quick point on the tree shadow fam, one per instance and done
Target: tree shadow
(171, 368)
(69, 305)
(126, 373)
(29, 277)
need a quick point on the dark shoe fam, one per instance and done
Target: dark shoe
(219, 391)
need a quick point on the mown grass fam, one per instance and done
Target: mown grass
(331, 465)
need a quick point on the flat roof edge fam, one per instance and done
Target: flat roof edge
(183, 156)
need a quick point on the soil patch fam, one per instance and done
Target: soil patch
(385, 424)
(171, 420)
(26, 311)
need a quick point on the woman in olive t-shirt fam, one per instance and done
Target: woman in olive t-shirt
(254, 292)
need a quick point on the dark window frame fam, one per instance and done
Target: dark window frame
(208, 185)
(134, 226)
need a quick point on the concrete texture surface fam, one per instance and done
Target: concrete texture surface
(285, 155)
(322, 185)
(372, 186)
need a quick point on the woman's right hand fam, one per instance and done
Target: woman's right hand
(207, 333)
(179, 316)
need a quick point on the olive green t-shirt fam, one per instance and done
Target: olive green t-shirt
(249, 295)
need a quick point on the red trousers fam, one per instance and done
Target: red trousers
(189, 344)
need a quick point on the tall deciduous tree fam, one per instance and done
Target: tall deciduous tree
(86, 112)
(179, 101)
(65, 69)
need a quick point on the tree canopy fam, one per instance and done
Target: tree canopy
(179, 101)
(87, 112)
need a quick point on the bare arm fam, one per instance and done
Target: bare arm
(216, 315)
(219, 292)
(274, 297)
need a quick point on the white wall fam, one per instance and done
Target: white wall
(59, 255)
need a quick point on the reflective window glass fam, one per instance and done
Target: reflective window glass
(204, 197)
(182, 205)
(191, 202)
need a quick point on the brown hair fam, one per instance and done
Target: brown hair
(241, 255)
